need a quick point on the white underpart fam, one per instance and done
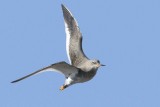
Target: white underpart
(68, 36)
(68, 81)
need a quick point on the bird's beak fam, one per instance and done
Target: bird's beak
(102, 65)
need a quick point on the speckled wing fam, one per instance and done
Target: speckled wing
(61, 67)
(73, 38)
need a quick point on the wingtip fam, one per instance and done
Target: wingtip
(19, 79)
(13, 82)
(62, 5)
(64, 8)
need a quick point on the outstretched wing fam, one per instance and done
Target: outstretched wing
(73, 38)
(61, 67)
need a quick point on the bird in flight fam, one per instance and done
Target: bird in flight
(81, 68)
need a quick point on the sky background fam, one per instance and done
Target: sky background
(123, 34)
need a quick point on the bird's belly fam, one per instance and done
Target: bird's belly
(81, 80)
(84, 78)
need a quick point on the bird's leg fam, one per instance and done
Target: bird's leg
(63, 87)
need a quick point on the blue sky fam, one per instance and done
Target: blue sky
(123, 34)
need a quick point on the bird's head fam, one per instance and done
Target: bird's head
(91, 65)
(96, 63)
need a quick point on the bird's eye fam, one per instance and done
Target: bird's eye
(94, 62)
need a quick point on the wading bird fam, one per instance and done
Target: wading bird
(81, 68)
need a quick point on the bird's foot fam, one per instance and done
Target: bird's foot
(63, 87)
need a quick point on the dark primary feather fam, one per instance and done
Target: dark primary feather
(29, 75)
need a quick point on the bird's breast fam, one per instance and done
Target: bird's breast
(85, 76)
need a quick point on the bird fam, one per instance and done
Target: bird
(80, 68)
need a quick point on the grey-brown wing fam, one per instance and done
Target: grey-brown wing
(61, 67)
(73, 38)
